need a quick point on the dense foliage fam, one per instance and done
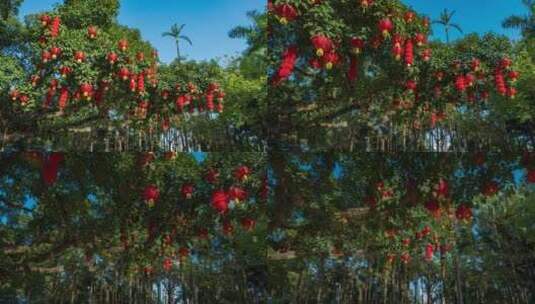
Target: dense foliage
(366, 68)
(285, 204)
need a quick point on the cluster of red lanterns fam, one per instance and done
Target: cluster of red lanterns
(404, 47)
(135, 79)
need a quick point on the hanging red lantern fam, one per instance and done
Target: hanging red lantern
(248, 224)
(187, 190)
(45, 20)
(289, 58)
(220, 201)
(123, 45)
(79, 56)
(92, 32)
(50, 168)
(151, 194)
(241, 173)
(429, 252)
(237, 194)
(285, 13)
(385, 27)
(322, 44)
(112, 57)
(463, 213)
(409, 53)
(54, 27)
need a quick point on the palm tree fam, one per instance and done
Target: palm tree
(255, 34)
(525, 23)
(176, 33)
(445, 20)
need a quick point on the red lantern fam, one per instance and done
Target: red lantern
(513, 76)
(183, 253)
(429, 252)
(79, 56)
(55, 52)
(141, 83)
(92, 32)
(434, 208)
(123, 45)
(463, 212)
(45, 20)
(112, 57)
(322, 44)
(285, 13)
(65, 71)
(140, 56)
(409, 16)
(397, 49)
(63, 98)
(248, 224)
(409, 53)
(237, 194)
(45, 56)
(289, 58)
(54, 27)
(357, 44)
(124, 73)
(241, 173)
(386, 26)
(14, 94)
(167, 264)
(499, 81)
(330, 60)
(353, 70)
(531, 176)
(220, 201)
(426, 55)
(420, 39)
(187, 190)
(87, 90)
(490, 188)
(405, 257)
(151, 194)
(50, 168)
(228, 229)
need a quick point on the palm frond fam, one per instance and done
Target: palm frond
(167, 34)
(186, 38)
(457, 27)
(515, 22)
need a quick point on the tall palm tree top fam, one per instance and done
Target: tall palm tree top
(445, 20)
(176, 33)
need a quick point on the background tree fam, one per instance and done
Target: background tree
(445, 20)
(525, 23)
(176, 33)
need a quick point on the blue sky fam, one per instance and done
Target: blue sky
(208, 21)
(479, 16)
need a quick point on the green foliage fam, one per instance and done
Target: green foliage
(79, 14)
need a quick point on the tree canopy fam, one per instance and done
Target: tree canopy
(344, 157)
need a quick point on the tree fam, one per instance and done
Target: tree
(176, 33)
(79, 74)
(253, 63)
(446, 21)
(368, 71)
(525, 23)
(9, 8)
